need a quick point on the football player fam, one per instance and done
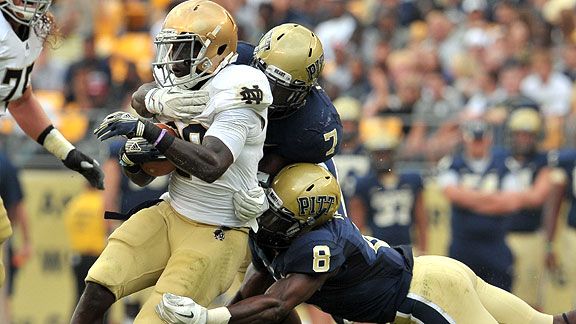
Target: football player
(528, 168)
(477, 238)
(24, 26)
(565, 187)
(386, 201)
(304, 251)
(191, 243)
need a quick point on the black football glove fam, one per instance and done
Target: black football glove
(86, 166)
(137, 150)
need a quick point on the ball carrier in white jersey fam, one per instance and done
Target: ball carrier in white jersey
(24, 26)
(191, 242)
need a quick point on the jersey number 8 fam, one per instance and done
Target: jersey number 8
(321, 262)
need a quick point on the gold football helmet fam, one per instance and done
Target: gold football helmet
(302, 197)
(525, 119)
(198, 38)
(292, 58)
(524, 128)
(25, 12)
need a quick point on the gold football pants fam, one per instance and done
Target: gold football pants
(159, 247)
(444, 290)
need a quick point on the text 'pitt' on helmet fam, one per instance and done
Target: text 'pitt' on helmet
(26, 12)
(198, 38)
(302, 197)
(292, 58)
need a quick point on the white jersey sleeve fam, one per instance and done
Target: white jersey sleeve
(237, 86)
(17, 58)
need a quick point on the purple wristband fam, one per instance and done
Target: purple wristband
(160, 137)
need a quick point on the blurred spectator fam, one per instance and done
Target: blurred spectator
(446, 37)
(551, 89)
(338, 30)
(12, 198)
(569, 60)
(435, 120)
(387, 203)
(88, 81)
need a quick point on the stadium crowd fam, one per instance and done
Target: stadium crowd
(418, 79)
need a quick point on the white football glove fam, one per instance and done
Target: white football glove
(174, 309)
(176, 103)
(250, 204)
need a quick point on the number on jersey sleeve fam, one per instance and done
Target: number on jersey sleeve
(16, 81)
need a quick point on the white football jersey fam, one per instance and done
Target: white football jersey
(235, 114)
(16, 60)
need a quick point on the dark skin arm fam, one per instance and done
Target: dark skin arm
(207, 162)
(279, 300)
(138, 99)
(256, 283)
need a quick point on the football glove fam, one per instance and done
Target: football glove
(120, 124)
(250, 204)
(174, 309)
(176, 103)
(137, 150)
(86, 166)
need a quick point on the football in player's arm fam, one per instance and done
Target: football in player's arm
(24, 27)
(303, 252)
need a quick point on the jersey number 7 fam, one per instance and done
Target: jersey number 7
(14, 78)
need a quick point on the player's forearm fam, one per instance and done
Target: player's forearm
(207, 162)
(29, 115)
(258, 309)
(484, 203)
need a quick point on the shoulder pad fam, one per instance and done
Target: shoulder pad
(314, 254)
(240, 86)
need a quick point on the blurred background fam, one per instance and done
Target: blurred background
(421, 68)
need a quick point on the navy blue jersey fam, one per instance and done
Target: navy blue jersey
(526, 220)
(370, 279)
(131, 194)
(478, 240)
(352, 166)
(390, 208)
(10, 189)
(311, 134)
(567, 161)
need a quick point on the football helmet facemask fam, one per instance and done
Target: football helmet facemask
(302, 197)
(292, 58)
(198, 38)
(25, 12)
